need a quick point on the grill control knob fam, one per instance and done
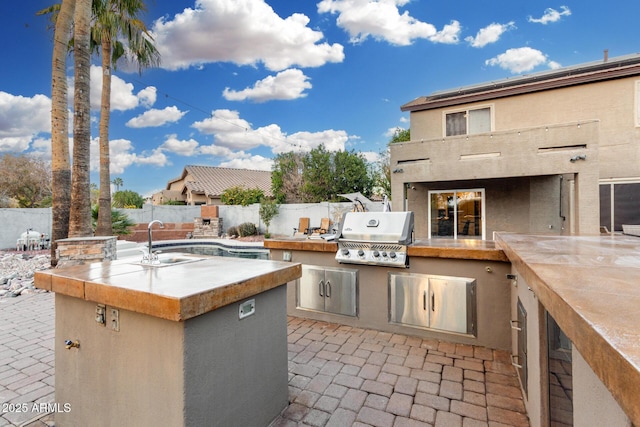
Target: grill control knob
(376, 254)
(345, 252)
(360, 252)
(392, 255)
(384, 254)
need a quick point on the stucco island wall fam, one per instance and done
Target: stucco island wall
(493, 290)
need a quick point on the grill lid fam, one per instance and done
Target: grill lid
(387, 227)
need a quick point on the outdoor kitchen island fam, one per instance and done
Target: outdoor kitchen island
(191, 341)
(474, 263)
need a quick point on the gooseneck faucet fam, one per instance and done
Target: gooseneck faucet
(150, 254)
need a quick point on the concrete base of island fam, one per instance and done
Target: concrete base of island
(200, 342)
(214, 369)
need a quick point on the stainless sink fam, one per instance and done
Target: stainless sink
(166, 260)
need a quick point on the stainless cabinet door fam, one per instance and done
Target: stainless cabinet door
(448, 304)
(340, 290)
(311, 288)
(408, 299)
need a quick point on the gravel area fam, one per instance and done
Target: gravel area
(17, 269)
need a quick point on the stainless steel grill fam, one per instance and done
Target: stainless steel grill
(376, 238)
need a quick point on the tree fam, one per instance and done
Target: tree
(80, 212)
(286, 177)
(328, 174)
(401, 135)
(127, 199)
(121, 222)
(25, 180)
(60, 161)
(114, 18)
(317, 176)
(268, 210)
(241, 196)
(351, 174)
(118, 182)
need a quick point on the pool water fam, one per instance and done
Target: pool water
(218, 251)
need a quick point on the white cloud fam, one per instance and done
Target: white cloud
(245, 32)
(287, 84)
(156, 158)
(21, 119)
(489, 34)
(122, 96)
(382, 20)
(551, 15)
(234, 133)
(253, 162)
(182, 147)
(147, 96)
(370, 156)
(155, 118)
(519, 60)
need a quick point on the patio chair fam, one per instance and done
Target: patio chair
(303, 227)
(325, 224)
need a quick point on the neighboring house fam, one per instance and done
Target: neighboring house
(552, 152)
(203, 185)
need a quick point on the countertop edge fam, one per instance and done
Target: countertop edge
(418, 250)
(611, 366)
(165, 306)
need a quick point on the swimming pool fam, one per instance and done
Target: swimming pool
(215, 248)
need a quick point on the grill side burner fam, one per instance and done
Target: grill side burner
(375, 238)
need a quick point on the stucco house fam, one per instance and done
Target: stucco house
(203, 185)
(551, 152)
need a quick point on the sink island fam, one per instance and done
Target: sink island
(198, 342)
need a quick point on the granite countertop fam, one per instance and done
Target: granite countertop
(430, 248)
(174, 292)
(591, 286)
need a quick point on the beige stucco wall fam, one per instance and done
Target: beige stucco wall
(214, 369)
(542, 154)
(493, 296)
(612, 103)
(107, 360)
(593, 403)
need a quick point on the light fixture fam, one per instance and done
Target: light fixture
(578, 157)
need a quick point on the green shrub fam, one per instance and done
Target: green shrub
(247, 229)
(232, 231)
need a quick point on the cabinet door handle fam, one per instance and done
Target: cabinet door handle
(321, 288)
(424, 300)
(433, 301)
(328, 289)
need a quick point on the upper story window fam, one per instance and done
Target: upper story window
(468, 122)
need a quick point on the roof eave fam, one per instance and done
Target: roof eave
(530, 85)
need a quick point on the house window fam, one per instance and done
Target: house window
(456, 214)
(468, 122)
(619, 204)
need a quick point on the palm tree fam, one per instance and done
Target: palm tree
(115, 18)
(62, 17)
(118, 182)
(80, 213)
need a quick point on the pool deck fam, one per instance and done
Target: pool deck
(338, 375)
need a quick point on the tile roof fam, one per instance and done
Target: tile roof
(213, 181)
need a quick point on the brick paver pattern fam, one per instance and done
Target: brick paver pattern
(341, 376)
(338, 375)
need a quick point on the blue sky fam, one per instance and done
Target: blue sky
(244, 80)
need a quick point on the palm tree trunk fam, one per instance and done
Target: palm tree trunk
(80, 214)
(104, 226)
(60, 163)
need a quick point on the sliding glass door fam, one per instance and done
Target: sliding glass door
(456, 214)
